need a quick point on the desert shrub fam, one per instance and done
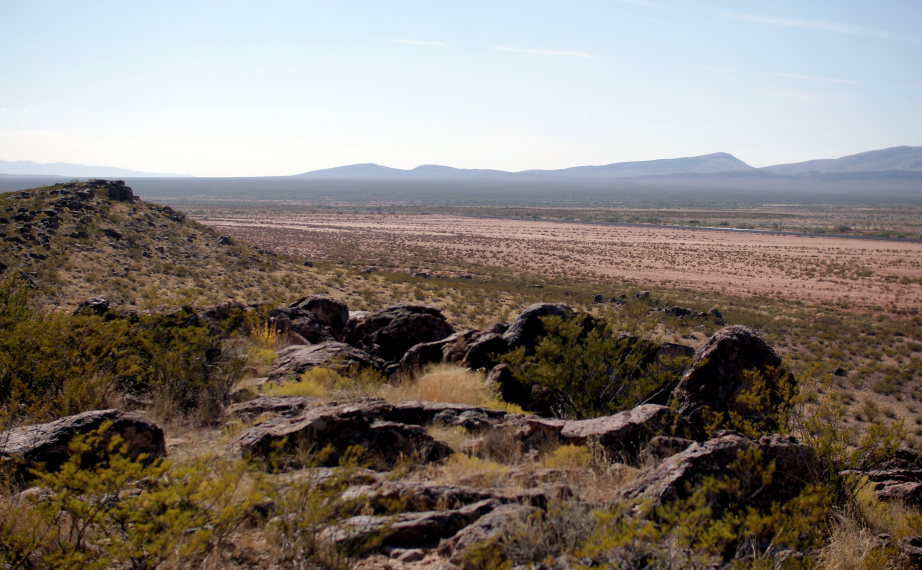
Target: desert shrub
(54, 364)
(309, 514)
(842, 450)
(721, 519)
(122, 512)
(569, 456)
(764, 406)
(575, 373)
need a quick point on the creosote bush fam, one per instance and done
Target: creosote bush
(54, 364)
(125, 512)
(580, 371)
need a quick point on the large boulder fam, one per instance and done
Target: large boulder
(292, 361)
(528, 327)
(47, 446)
(732, 363)
(292, 441)
(623, 434)
(389, 333)
(674, 478)
(314, 319)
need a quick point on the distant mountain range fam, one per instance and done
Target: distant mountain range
(29, 168)
(886, 162)
(902, 158)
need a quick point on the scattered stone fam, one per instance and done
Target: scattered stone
(93, 306)
(643, 295)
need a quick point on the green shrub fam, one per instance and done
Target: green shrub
(123, 512)
(54, 364)
(575, 373)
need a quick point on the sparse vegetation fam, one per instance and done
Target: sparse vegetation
(858, 373)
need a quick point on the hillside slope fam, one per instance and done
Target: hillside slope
(75, 240)
(899, 158)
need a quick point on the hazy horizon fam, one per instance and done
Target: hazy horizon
(223, 89)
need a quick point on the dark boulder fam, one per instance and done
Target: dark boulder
(482, 351)
(313, 319)
(328, 312)
(389, 333)
(733, 362)
(528, 327)
(507, 386)
(48, 445)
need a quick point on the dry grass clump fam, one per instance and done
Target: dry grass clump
(443, 383)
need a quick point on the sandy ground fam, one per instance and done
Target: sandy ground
(884, 275)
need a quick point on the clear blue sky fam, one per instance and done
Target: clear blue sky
(273, 87)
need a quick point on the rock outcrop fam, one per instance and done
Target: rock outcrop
(294, 360)
(312, 319)
(291, 441)
(674, 478)
(624, 434)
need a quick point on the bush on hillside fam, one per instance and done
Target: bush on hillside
(575, 373)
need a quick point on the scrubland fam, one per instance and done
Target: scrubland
(844, 314)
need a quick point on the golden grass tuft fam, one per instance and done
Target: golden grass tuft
(569, 457)
(444, 383)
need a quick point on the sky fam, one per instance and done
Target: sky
(233, 88)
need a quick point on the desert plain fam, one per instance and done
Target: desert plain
(867, 273)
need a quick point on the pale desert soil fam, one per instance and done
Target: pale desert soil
(873, 274)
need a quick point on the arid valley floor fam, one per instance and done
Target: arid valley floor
(876, 274)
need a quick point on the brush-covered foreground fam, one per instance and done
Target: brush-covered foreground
(466, 480)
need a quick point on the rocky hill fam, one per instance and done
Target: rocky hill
(76, 240)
